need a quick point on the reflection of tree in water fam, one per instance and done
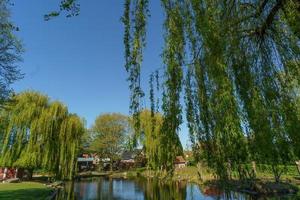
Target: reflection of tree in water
(99, 188)
(141, 189)
(156, 190)
(105, 189)
(217, 193)
(212, 191)
(67, 193)
(235, 195)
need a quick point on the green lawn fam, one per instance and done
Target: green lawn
(24, 190)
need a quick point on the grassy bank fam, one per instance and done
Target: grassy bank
(24, 190)
(189, 174)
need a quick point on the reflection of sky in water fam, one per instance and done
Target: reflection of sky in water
(120, 189)
(193, 193)
(104, 189)
(127, 190)
(86, 190)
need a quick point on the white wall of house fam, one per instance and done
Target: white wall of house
(180, 165)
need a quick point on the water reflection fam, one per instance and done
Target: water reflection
(141, 189)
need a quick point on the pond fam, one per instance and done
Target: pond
(143, 189)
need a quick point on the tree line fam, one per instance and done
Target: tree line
(113, 133)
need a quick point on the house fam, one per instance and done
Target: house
(85, 155)
(135, 158)
(8, 173)
(128, 157)
(180, 162)
(127, 160)
(87, 162)
(96, 160)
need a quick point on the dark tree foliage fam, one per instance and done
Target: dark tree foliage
(10, 52)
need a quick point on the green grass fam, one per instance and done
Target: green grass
(24, 191)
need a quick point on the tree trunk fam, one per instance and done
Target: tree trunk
(5, 173)
(16, 173)
(30, 174)
(254, 167)
(298, 165)
(199, 171)
(111, 165)
(240, 172)
(277, 173)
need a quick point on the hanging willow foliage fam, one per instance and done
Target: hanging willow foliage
(152, 125)
(134, 20)
(152, 102)
(173, 59)
(41, 134)
(151, 139)
(242, 61)
(242, 69)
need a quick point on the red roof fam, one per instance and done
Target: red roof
(85, 155)
(179, 160)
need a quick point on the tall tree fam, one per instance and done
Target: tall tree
(10, 52)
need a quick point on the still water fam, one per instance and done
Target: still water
(143, 189)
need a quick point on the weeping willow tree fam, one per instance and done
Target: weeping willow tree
(239, 62)
(150, 137)
(134, 20)
(40, 134)
(239, 59)
(173, 59)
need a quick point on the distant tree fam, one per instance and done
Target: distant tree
(151, 137)
(86, 141)
(109, 133)
(10, 52)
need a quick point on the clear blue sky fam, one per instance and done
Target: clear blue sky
(79, 61)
